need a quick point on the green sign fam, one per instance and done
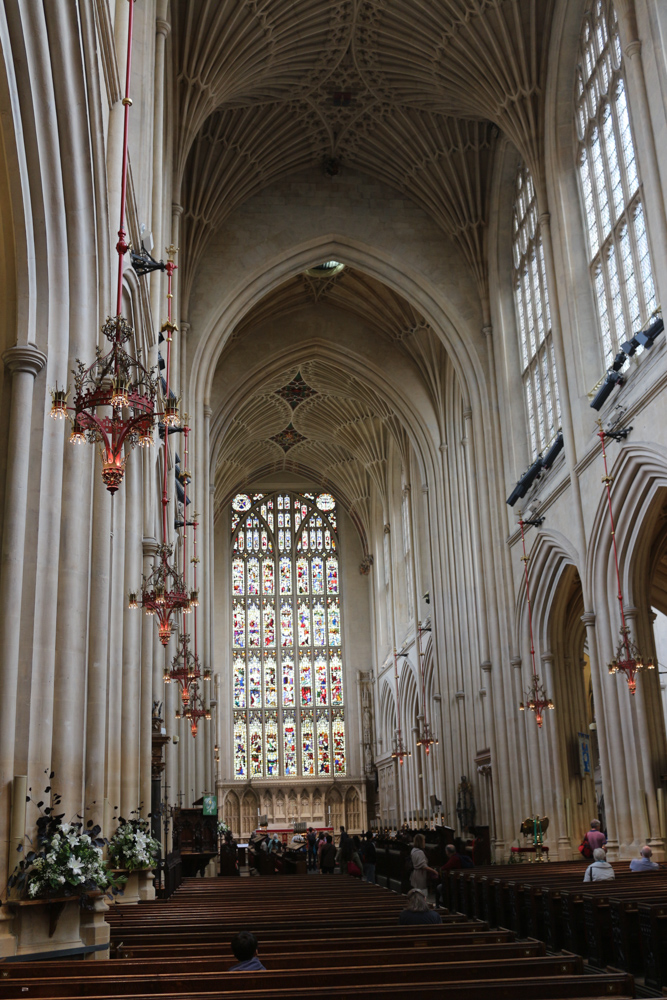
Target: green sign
(210, 807)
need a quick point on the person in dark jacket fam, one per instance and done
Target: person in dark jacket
(417, 910)
(244, 946)
(368, 857)
(328, 856)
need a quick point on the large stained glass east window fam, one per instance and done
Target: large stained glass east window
(287, 657)
(618, 249)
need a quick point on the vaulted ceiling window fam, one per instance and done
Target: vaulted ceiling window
(615, 223)
(286, 637)
(531, 299)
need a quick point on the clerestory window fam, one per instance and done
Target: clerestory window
(287, 650)
(531, 300)
(618, 251)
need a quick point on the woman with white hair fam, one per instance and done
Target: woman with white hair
(600, 870)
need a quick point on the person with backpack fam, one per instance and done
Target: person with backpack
(348, 859)
(593, 840)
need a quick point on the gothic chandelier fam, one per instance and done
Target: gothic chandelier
(185, 668)
(425, 737)
(164, 592)
(627, 658)
(115, 396)
(400, 750)
(536, 696)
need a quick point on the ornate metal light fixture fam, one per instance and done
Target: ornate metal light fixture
(536, 695)
(627, 660)
(400, 750)
(163, 592)
(115, 396)
(425, 737)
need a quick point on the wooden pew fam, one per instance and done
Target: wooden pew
(336, 932)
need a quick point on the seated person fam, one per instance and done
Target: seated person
(643, 863)
(244, 946)
(417, 910)
(600, 870)
(454, 859)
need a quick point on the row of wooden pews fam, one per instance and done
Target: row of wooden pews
(622, 922)
(330, 934)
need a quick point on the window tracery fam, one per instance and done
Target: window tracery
(618, 250)
(531, 299)
(287, 658)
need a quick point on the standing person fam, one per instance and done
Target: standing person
(312, 848)
(420, 866)
(328, 856)
(594, 839)
(343, 836)
(600, 870)
(368, 857)
(348, 859)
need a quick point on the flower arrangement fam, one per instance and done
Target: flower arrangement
(67, 862)
(132, 846)
(223, 828)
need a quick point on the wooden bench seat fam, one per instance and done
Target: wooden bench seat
(338, 937)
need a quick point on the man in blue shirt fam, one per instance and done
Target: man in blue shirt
(244, 946)
(644, 863)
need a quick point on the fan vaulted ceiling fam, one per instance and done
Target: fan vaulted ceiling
(317, 419)
(412, 92)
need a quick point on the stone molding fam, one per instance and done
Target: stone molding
(24, 358)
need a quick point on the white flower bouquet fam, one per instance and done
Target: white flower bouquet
(132, 846)
(223, 828)
(67, 862)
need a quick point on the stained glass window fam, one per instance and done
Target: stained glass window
(288, 660)
(256, 745)
(531, 300)
(323, 743)
(240, 746)
(271, 746)
(307, 744)
(239, 682)
(618, 250)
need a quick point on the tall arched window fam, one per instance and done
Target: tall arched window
(533, 317)
(615, 223)
(287, 638)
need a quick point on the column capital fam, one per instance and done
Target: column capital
(24, 358)
(588, 618)
(544, 220)
(407, 488)
(150, 546)
(162, 27)
(207, 411)
(176, 209)
(633, 48)
(486, 666)
(515, 661)
(487, 330)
